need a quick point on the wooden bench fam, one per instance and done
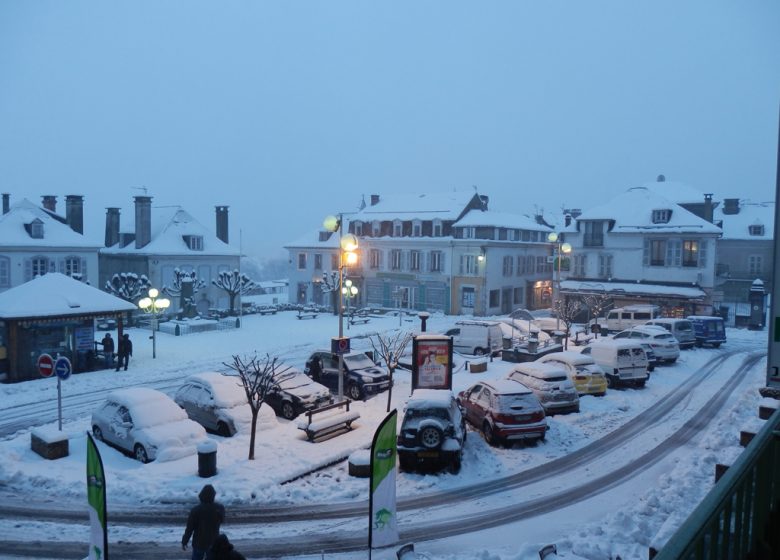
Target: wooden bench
(359, 319)
(307, 314)
(328, 420)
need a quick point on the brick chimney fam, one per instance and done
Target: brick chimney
(374, 199)
(730, 206)
(6, 203)
(112, 226)
(50, 202)
(143, 221)
(222, 223)
(74, 212)
(708, 208)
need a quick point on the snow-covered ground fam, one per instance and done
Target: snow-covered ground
(623, 521)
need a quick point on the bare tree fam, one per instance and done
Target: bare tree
(567, 310)
(128, 285)
(330, 285)
(259, 377)
(234, 283)
(390, 348)
(597, 304)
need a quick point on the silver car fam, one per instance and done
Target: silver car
(665, 347)
(147, 424)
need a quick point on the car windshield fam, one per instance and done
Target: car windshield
(294, 381)
(555, 378)
(684, 326)
(664, 336)
(515, 402)
(358, 361)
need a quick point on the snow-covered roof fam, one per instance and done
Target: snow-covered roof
(677, 192)
(737, 226)
(568, 356)
(148, 407)
(55, 294)
(620, 288)
(632, 212)
(538, 369)
(476, 218)
(55, 233)
(508, 387)
(426, 206)
(169, 226)
(425, 398)
(227, 390)
(312, 240)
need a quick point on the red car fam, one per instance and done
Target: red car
(504, 410)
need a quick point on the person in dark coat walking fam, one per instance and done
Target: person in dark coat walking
(124, 351)
(203, 523)
(108, 350)
(222, 549)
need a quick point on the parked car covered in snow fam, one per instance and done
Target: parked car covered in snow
(433, 431)
(550, 384)
(586, 374)
(504, 411)
(147, 424)
(624, 361)
(664, 346)
(218, 403)
(296, 393)
(362, 377)
(681, 329)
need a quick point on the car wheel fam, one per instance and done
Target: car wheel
(288, 410)
(671, 361)
(487, 431)
(610, 382)
(354, 392)
(140, 453)
(98, 433)
(479, 351)
(223, 429)
(431, 437)
(717, 345)
(640, 384)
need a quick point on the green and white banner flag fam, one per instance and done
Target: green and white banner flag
(383, 526)
(96, 496)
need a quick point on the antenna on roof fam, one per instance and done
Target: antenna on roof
(141, 188)
(475, 187)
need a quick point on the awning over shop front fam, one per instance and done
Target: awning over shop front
(639, 290)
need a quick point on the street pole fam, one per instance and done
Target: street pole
(341, 307)
(558, 291)
(154, 336)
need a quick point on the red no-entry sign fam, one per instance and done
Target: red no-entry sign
(45, 365)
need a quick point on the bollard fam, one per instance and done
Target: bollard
(207, 458)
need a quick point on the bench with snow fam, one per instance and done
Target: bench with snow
(307, 314)
(328, 420)
(267, 310)
(358, 318)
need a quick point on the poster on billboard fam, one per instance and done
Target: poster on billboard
(432, 362)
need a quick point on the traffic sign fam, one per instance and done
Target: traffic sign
(62, 368)
(45, 365)
(339, 345)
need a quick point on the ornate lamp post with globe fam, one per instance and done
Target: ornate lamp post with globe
(348, 245)
(154, 306)
(349, 291)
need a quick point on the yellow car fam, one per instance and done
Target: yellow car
(587, 376)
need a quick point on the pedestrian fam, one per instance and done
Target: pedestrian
(203, 523)
(222, 549)
(108, 350)
(124, 351)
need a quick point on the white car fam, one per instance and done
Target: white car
(147, 424)
(665, 347)
(218, 403)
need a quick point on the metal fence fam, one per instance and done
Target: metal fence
(740, 517)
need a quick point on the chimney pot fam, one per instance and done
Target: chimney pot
(50, 202)
(112, 226)
(143, 221)
(222, 223)
(374, 199)
(74, 212)
(6, 203)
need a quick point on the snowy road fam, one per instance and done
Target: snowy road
(670, 424)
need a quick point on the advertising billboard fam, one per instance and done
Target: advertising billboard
(432, 362)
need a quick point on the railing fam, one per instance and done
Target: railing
(740, 516)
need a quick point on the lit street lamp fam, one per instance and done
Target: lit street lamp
(154, 306)
(560, 250)
(348, 245)
(348, 291)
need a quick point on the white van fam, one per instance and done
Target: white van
(551, 385)
(622, 318)
(624, 361)
(476, 337)
(681, 329)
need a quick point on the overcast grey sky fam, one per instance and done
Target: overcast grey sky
(288, 111)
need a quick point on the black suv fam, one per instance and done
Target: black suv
(361, 375)
(433, 431)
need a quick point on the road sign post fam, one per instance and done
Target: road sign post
(45, 365)
(63, 370)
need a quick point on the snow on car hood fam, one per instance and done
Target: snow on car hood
(174, 440)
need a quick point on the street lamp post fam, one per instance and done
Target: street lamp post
(348, 291)
(560, 249)
(154, 306)
(348, 245)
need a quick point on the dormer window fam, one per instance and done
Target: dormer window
(662, 216)
(416, 228)
(397, 228)
(35, 229)
(437, 228)
(756, 229)
(376, 228)
(194, 242)
(358, 228)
